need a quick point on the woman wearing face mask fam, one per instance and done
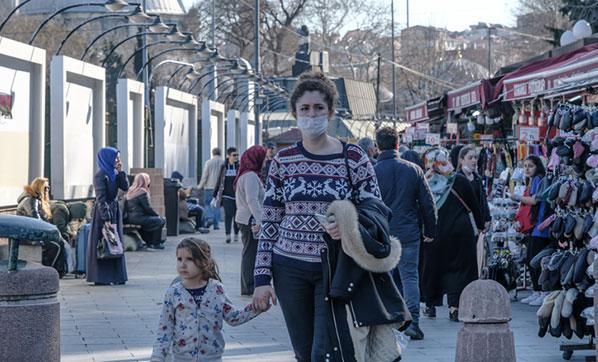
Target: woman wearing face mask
(536, 240)
(303, 180)
(450, 262)
(466, 165)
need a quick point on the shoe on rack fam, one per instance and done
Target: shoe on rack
(530, 297)
(227, 240)
(414, 332)
(538, 301)
(454, 315)
(430, 312)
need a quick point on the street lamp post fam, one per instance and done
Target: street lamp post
(394, 79)
(257, 69)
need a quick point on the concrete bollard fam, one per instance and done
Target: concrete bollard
(29, 307)
(485, 310)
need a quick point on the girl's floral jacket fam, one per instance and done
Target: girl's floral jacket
(194, 333)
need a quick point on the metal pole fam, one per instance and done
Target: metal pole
(256, 110)
(146, 87)
(213, 24)
(489, 52)
(407, 13)
(394, 79)
(378, 87)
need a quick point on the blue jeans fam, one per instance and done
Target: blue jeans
(406, 276)
(211, 213)
(301, 297)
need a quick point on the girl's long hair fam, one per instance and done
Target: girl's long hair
(37, 189)
(540, 171)
(202, 255)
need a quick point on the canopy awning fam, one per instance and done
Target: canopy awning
(574, 84)
(540, 77)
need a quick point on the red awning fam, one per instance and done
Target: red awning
(417, 113)
(539, 77)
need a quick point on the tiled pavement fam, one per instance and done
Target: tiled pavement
(117, 323)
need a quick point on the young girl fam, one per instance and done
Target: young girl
(194, 308)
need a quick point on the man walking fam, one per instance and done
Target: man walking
(209, 179)
(405, 191)
(368, 145)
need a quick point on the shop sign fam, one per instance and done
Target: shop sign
(420, 134)
(486, 138)
(410, 131)
(452, 128)
(417, 113)
(407, 138)
(433, 139)
(465, 97)
(423, 125)
(529, 134)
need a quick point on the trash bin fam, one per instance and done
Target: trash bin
(171, 204)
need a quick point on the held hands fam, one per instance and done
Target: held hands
(262, 296)
(332, 230)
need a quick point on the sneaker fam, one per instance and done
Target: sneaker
(430, 312)
(227, 240)
(454, 315)
(530, 297)
(539, 300)
(216, 228)
(236, 238)
(156, 246)
(414, 332)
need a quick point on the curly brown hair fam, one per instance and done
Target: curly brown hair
(314, 81)
(202, 255)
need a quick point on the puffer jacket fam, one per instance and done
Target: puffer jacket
(362, 295)
(30, 206)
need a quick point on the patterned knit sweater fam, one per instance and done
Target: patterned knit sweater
(301, 184)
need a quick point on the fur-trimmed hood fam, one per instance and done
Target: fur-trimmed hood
(364, 235)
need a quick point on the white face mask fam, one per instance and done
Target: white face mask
(467, 169)
(312, 127)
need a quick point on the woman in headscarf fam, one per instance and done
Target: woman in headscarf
(35, 202)
(139, 211)
(249, 195)
(449, 263)
(106, 183)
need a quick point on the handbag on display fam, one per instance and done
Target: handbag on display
(110, 246)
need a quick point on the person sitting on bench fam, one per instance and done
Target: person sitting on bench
(138, 211)
(189, 207)
(35, 202)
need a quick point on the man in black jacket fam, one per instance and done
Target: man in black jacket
(405, 191)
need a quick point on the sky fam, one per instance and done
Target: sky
(450, 14)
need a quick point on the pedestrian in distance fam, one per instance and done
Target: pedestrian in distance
(34, 202)
(106, 182)
(450, 262)
(249, 192)
(224, 193)
(405, 191)
(195, 307)
(271, 151)
(139, 211)
(207, 184)
(369, 147)
(299, 247)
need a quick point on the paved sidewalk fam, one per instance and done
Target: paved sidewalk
(117, 323)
